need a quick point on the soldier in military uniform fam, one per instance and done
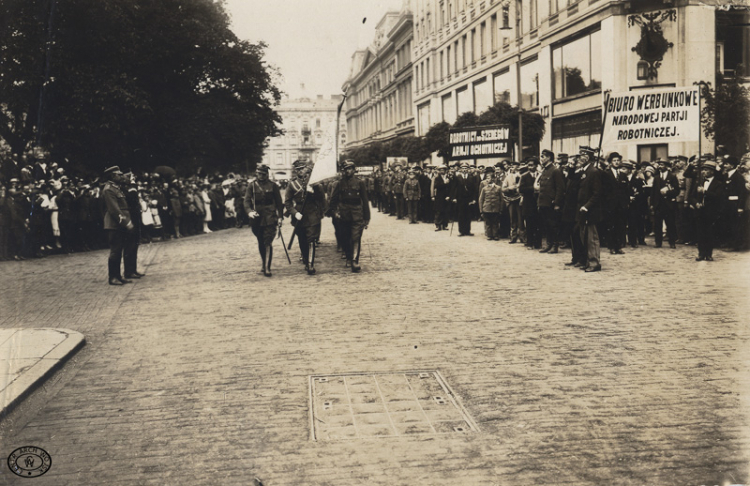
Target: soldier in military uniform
(397, 186)
(117, 222)
(265, 210)
(305, 204)
(349, 204)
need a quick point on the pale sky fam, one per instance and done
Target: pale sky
(310, 41)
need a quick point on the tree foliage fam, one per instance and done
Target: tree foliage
(436, 139)
(136, 83)
(726, 114)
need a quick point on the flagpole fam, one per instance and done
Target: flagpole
(338, 122)
(604, 124)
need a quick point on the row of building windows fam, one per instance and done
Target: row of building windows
(576, 69)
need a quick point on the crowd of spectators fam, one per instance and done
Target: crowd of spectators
(522, 201)
(46, 210)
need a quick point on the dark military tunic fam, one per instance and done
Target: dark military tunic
(350, 206)
(265, 199)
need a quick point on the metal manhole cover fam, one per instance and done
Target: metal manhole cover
(369, 405)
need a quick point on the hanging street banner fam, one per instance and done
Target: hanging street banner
(653, 116)
(479, 142)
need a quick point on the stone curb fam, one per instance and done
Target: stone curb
(38, 373)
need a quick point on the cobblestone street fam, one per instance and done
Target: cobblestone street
(200, 373)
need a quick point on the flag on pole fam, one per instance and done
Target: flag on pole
(326, 166)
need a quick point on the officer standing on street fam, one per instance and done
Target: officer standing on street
(350, 206)
(265, 210)
(117, 222)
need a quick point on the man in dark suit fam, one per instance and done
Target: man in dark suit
(636, 204)
(440, 193)
(665, 190)
(615, 213)
(551, 198)
(425, 201)
(463, 197)
(590, 209)
(569, 213)
(529, 210)
(707, 199)
(736, 195)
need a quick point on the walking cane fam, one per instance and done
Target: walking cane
(284, 246)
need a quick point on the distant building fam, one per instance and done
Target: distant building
(468, 53)
(379, 88)
(305, 122)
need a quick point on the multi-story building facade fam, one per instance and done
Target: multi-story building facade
(559, 58)
(305, 121)
(379, 88)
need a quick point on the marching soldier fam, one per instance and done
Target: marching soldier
(350, 206)
(265, 210)
(305, 204)
(117, 222)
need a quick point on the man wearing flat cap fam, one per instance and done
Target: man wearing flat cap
(117, 222)
(265, 210)
(663, 199)
(707, 198)
(350, 206)
(551, 199)
(590, 196)
(464, 197)
(440, 194)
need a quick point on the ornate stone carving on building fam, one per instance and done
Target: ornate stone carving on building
(653, 45)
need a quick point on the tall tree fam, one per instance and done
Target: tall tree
(142, 83)
(726, 114)
(24, 41)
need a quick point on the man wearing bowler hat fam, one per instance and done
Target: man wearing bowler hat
(117, 222)
(707, 199)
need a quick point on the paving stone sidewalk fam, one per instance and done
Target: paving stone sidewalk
(28, 357)
(200, 373)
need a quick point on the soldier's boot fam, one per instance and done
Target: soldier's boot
(268, 255)
(311, 259)
(355, 262)
(262, 251)
(554, 248)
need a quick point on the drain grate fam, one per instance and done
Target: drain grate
(369, 405)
